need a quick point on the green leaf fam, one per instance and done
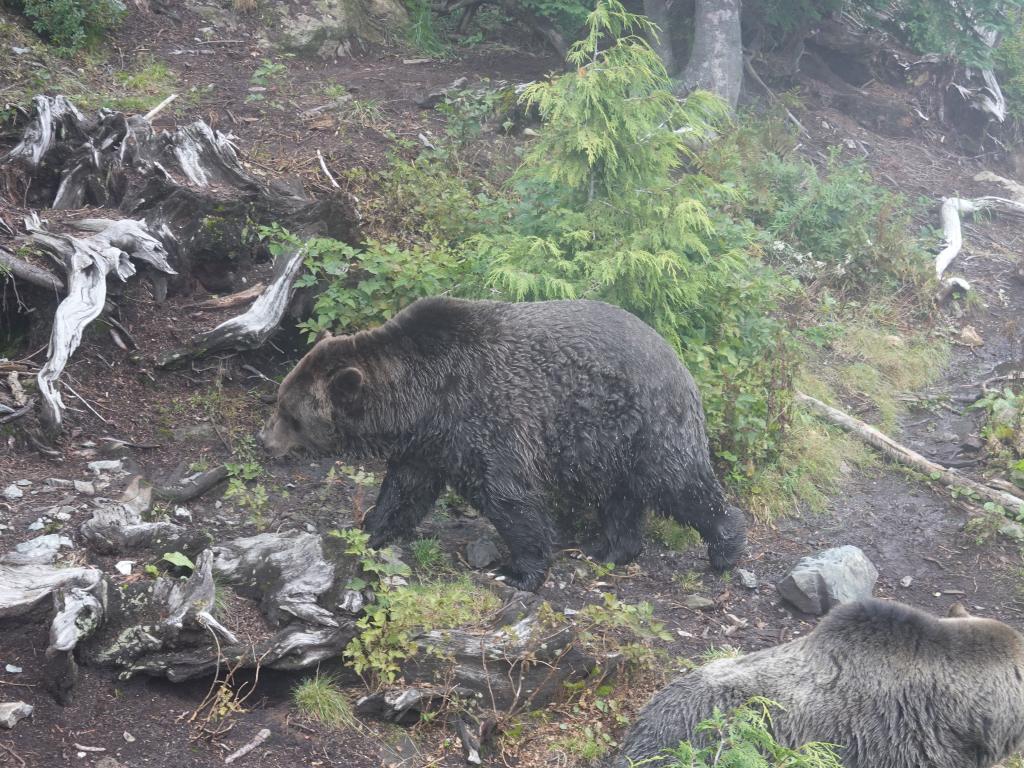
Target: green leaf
(180, 560)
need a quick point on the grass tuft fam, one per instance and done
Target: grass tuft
(320, 699)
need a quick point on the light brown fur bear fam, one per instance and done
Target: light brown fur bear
(894, 686)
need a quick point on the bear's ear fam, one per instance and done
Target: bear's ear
(345, 383)
(324, 334)
(958, 611)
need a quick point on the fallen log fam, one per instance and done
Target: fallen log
(231, 300)
(908, 457)
(30, 273)
(952, 208)
(191, 487)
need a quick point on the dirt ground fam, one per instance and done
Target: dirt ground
(909, 529)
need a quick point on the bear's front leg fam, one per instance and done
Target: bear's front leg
(408, 493)
(520, 521)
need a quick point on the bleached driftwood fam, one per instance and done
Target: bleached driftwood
(952, 208)
(254, 326)
(118, 526)
(54, 115)
(87, 262)
(908, 457)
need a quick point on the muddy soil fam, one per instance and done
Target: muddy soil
(201, 415)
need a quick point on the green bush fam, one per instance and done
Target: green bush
(71, 24)
(742, 738)
(363, 287)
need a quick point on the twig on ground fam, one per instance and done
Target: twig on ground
(327, 173)
(159, 108)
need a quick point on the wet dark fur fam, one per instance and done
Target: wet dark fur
(896, 687)
(519, 407)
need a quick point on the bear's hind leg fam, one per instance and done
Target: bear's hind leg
(407, 494)
(701, 504)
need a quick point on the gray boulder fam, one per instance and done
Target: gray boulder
(329, 27)
(482, 552)
(838, 575)
(13, 711)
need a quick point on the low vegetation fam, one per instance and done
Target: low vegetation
(320, 698)
(742, 738)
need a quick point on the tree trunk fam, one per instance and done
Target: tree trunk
(716, 61)
(657, 12)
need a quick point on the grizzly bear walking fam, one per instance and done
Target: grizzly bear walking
(521, 408)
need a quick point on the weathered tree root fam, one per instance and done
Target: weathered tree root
(87, 262)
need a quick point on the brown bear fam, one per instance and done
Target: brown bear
(893, 686)
(522, 409)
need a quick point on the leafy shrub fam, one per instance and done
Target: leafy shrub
(364, 287)
(1009, 59)
(71, 24)
(388, 626)
(742, 738)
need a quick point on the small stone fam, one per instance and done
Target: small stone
(83, 486)
(1012, 530)
(970, 337)
(128, 737)
(697, 602)
(105, 465)
(13, 711)
(13, 669)
(24, 483)
(837, 575)
(38, 525)
(183, 512)
(56, 482)
(61, 514)
(12, 492)
(124, 567)
(747, 578)
(218, 504)
(482, 553)
(906, 581)
(310, 528)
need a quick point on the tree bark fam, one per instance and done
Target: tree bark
(657, 12)
(716, 61)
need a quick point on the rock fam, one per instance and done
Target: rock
(41, 549)
(128, 737)
(697, 603)
(13, 492)
(906, 581)
(328, 27)
(23, 483)
(194, 433)
(13, 711)
(434, 98)
(38, 525)
(124, 567)
(970, 337)
(838, 575)
(105, 465)
(13, 669)
(111, 762)
(1012, 530)
(183, 513)
(482, 553)
(747, 578)
(85, 487)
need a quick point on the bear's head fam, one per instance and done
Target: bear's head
(320, 403)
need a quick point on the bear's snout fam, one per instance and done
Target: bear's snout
(274, 438)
